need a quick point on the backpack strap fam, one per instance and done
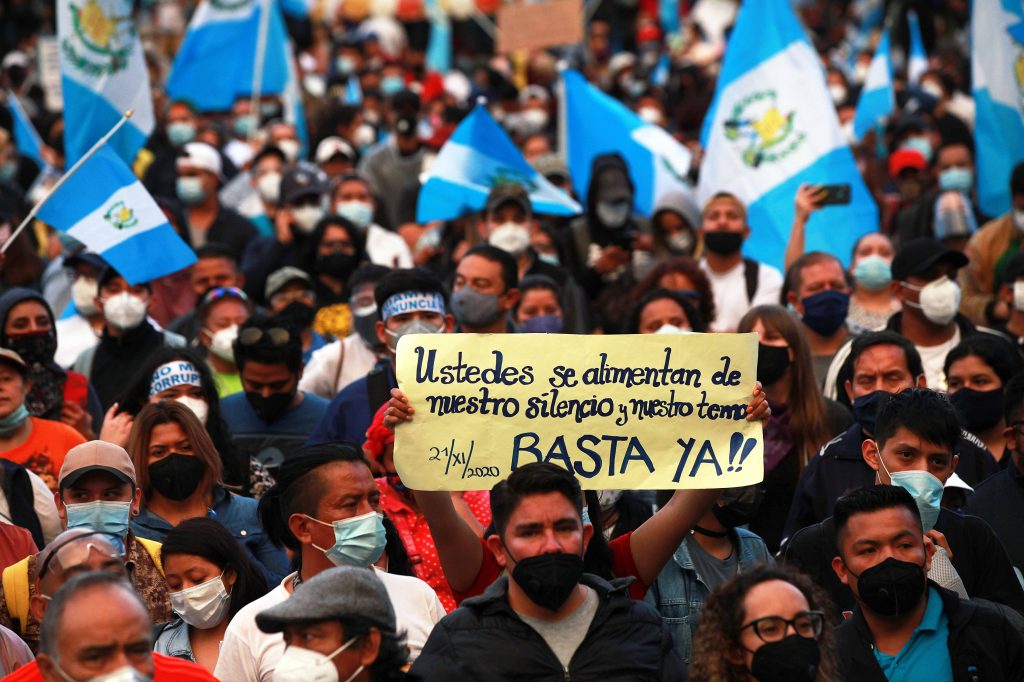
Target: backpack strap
(378, 388)
(751, 270)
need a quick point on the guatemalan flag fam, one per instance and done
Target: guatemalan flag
(478, 156)
(26, 139)
(877, 99)
(217, 58)
(596, 124)
(997, 75)
(103, 75)
(917, 58)
(104, 206)
(772, 127)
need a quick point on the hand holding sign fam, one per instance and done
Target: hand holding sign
(619, 412)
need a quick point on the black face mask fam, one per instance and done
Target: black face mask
(891, 588)
(366, 327)
(739, 506)
(865, 409)
(269, 408)
(336, 264)
(176, 476)
(723, 243)
(772, 363)
(34, 349)
(979, 410)
(792, 659)
(549, 579)
(298, 314)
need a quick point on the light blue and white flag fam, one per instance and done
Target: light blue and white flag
(103, 75)
(771, 127)
(353, 91)
(216, 61)
(596, 124)
(997, 75)
(917, 58)
(477, 157)
(104, 206)
(439, 47)
(877, 98)
(26, 139)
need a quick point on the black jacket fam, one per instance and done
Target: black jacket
(485, 640)
(840, 468)
(999, 500)
(978, 557)
(983, 646)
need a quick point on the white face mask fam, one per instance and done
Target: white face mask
(124, 311)
(268, 186)
(938, 300)
(1018, 295)
(204, 605)
(199, 407)
(83, 293)
(306, 218)
(222, 343)
(1018, 219)
(671, 329)
(608, 498)
(305, 665)
(125, 674)
(359, 213)
(511, 237)
(290, 149)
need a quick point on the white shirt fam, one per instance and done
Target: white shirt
(74, 336)
(933, 358)
(321, 376)
(730, 290)
(43, 505)
(248, 654)
(387, 248)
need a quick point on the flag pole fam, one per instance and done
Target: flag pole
(71, 171)
(261, 53)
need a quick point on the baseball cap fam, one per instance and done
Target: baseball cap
(508, 192)
(551, 166)
(902, 159)
(108, 273)
(330, 147)
(278, 278)
(12, 358)
(918, 255)
(406, 125)
(86, 258)
(200, 155)
(338, 593)
(302, 181)
(96, 455)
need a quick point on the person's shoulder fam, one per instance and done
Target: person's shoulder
(769, 274)
(171, 669)
(245, 618)
(50, 429)
(26, 673)
(314, 402)
(405, 585)
(993, 485)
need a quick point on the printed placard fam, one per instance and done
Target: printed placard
(651, 411)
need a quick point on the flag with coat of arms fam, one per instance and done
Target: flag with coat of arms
(104, 206)
(772, 127)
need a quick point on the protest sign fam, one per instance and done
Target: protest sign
(533, 26)
(622, 412)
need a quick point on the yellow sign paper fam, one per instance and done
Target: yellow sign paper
(651, 411)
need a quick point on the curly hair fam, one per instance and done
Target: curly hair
(723, 616)
(688, 268)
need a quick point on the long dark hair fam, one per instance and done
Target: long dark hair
(206, 538)
(136, 396)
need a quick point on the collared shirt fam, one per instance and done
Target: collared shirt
(925, 656)
(143, 574)
(415, 536)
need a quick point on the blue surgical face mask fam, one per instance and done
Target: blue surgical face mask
(542, 324)
(181, 133)
(549, 258)
(359, 213)
(344, 64)
(245, 125)
(106, 517)
(920, 144)
(358, 541)
(15, 419)
(825, 312)
(190, 189)
(873, 273)
(391, 85)
(956, 179)
(925, 489)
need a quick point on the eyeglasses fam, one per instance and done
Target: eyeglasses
(773, 628)
(74, 552)
(277, 336)
(223, 292)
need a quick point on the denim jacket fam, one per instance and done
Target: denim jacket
(238, 515)
(679, 592)
(172, 640)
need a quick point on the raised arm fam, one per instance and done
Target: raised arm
(806, 204)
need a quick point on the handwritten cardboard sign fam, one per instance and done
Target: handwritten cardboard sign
(536, 25)
(649, 411)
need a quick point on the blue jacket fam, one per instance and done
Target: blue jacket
(238, 515)
(172, 640)
(349, 414)
(679, 591)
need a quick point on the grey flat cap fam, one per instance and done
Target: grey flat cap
(342, 592)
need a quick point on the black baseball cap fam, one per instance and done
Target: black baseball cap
(918, 255)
